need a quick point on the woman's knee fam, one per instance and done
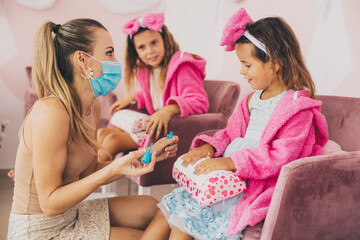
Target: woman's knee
(151, 205)
(101, 134)
(107, 134)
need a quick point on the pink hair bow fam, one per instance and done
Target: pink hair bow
(234, 29)
(152, 21)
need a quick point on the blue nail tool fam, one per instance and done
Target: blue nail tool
(170, 135)
(146, 158)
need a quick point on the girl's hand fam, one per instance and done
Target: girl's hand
(120, 104)
(157, 121)
(165, 148)
(213, 164)
(130, 164)
(195, 154)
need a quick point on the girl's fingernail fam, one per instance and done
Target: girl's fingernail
(157, 138)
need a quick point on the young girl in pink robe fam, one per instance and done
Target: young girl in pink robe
(278, 123)
(170, 81)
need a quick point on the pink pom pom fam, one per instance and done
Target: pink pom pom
(234, 29)
(131, 26)
(154, 21)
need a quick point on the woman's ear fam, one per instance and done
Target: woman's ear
(80, 59)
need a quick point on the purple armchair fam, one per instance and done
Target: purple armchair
(319, 197)
(223, 96)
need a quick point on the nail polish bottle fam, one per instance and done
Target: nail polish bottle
(146, 158)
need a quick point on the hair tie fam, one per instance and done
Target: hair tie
(56, 28)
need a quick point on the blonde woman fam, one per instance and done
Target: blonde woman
(56, 163)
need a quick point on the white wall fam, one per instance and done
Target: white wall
(328, 31)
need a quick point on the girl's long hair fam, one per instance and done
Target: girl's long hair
(133, 62)
(52, 71)
(282, 47)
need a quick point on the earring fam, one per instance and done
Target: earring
(91, 73)
(84, 77)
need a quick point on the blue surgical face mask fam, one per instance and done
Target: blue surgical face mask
(108, 81)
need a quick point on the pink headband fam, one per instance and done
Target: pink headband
(235, 28)
(152, 21)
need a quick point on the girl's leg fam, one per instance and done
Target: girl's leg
(158, 227)
(130, 215)
(113, 141)
(178, 234)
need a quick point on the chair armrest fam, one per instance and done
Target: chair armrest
(316, 198)
(207, 132)
(191, 125)
(186, 129)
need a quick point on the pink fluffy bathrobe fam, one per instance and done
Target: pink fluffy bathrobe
(296, 129)
(183, 86)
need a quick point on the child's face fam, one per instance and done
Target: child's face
(149, 46)
(258, 74)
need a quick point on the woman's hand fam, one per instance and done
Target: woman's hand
(165, 148)
(160, 119)
(213, 164)
(130, 164)
(120, 104)
(195, 154)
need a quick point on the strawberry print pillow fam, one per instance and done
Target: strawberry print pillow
(208, 188)
(129, 121)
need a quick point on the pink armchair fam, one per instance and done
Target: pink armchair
(319, 197)
(223, 96)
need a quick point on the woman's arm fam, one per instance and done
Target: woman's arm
(50, 137)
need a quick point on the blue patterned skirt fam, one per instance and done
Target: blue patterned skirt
(185, 213)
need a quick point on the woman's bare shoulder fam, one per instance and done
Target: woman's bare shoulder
(49, 109)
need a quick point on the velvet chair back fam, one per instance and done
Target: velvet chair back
(223, 96)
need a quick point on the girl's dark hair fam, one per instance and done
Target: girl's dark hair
(283, 48)
(52, 71)
(133, 62)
